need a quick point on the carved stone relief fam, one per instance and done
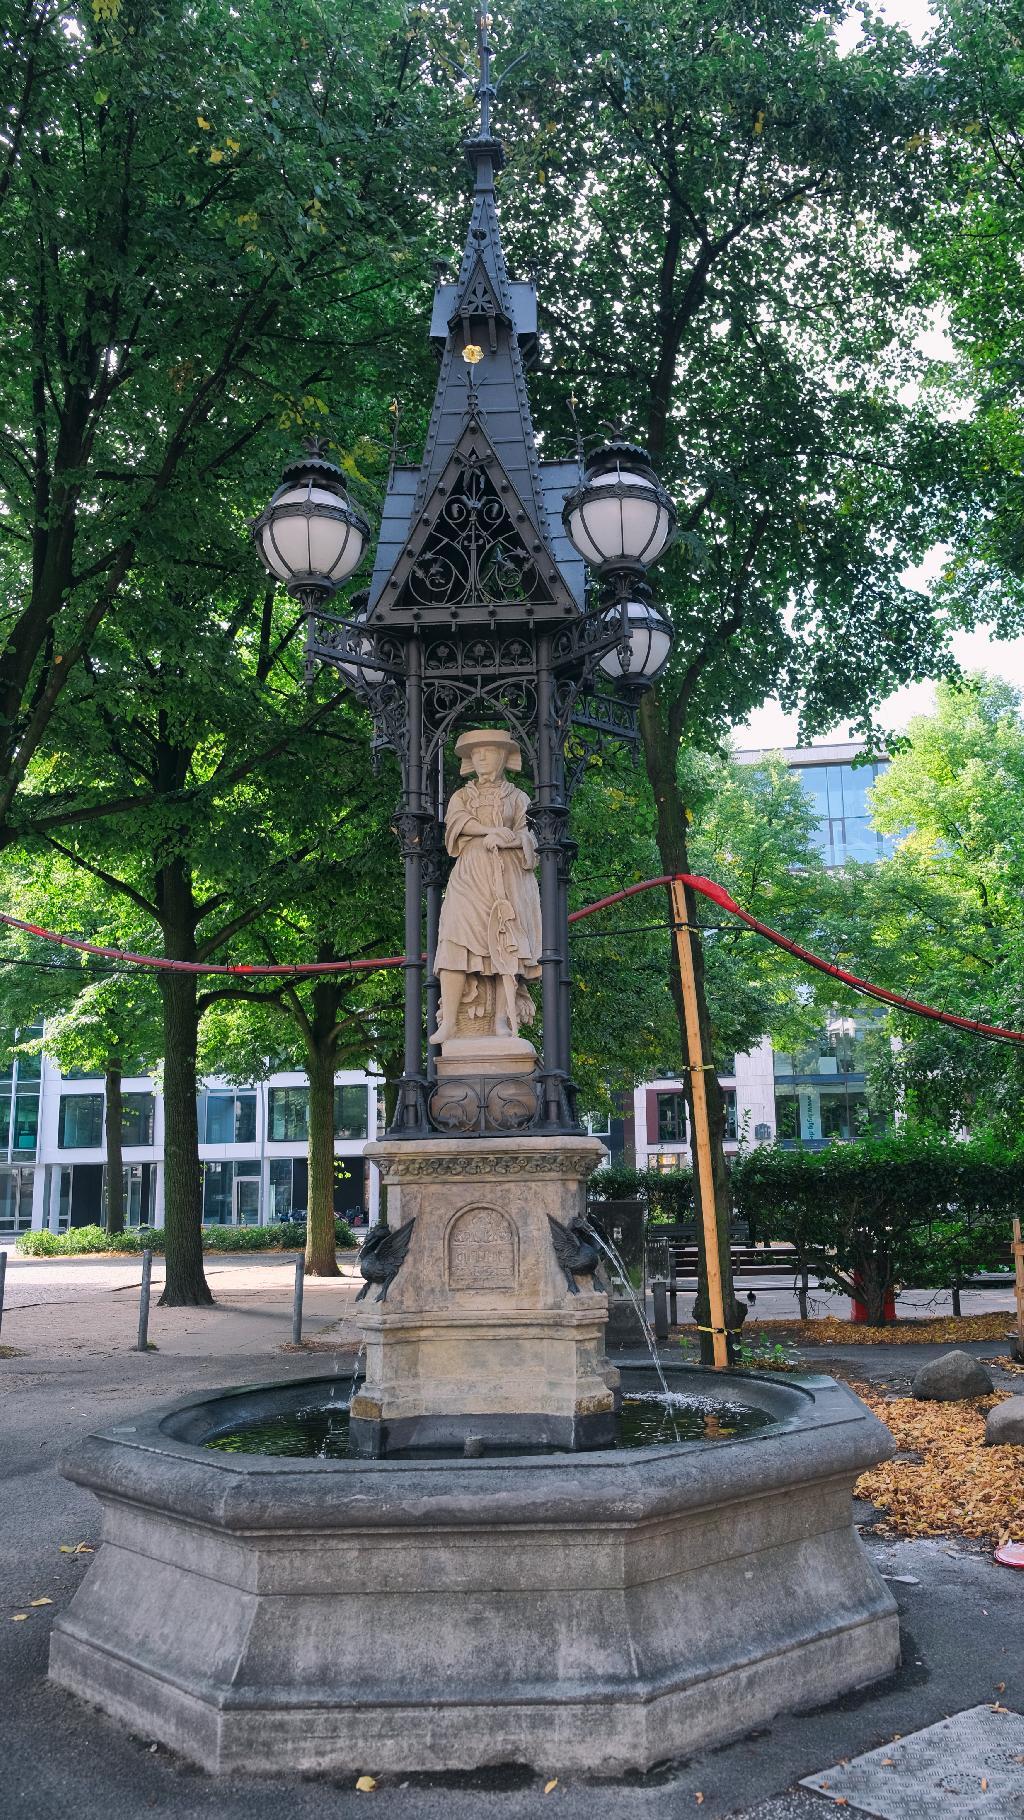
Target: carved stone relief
(482, 1250)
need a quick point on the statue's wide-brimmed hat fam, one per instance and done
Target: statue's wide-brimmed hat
(467, 743)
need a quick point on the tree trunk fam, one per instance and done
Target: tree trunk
(185, 1284)
(660, 754)
(321, 1248)
(114, 1197)
(875, 1287)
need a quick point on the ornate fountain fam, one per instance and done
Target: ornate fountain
(477, 1573)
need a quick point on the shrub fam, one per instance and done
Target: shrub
(668, 1199)
(288, 1235)
(617, 1183)
(869, 1217)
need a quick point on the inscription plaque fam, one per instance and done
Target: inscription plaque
(481, 1251)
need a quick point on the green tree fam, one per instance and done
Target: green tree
(321, 1023)
(724, 209)
(942, 921)
(971, 267)
(206, 250)
(100, 1019)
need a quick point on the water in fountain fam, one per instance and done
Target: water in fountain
(360, 1360)
(649, 1335)
(321, 1430)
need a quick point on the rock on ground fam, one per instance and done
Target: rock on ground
(950, 1379)
(1004, 1426)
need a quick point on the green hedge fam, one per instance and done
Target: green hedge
(288, 1235)
(908, 1209)
(667, 1198)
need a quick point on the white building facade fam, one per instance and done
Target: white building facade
(253, 1146)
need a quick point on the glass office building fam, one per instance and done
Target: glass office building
(839, 791)
(802, 1101)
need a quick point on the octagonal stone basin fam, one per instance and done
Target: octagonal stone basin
(589, 1611)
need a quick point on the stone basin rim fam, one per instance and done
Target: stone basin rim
(797, 1402)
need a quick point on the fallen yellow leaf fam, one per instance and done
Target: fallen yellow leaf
(40, 1601)
(984, 1784)
(699, 1798)
(366, 1785)
(19, 1617)
(548, 1786)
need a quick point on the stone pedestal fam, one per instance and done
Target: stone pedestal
(480, 1337)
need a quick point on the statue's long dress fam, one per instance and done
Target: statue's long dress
(490, 917)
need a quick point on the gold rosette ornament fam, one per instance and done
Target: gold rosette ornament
(472, 354)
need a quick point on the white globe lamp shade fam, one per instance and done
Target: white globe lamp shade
(620, 517)
(311, 535)
(647, 640)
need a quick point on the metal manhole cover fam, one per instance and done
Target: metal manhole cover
(969, 1767)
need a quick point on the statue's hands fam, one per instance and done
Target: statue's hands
(498, 838)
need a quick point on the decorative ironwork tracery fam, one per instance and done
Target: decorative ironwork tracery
(475, 555)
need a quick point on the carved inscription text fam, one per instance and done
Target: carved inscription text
(481, 1251)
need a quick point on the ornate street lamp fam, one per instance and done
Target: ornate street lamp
(480, 613)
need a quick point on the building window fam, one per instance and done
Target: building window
(667, 1162)
(289, 1115)
(25, 1129)
(80, 1121)
(350, 1112)
(289, 1187)
(230, 1118)
(727, 1067)
(231, 1194)
(137, 1118)
(138, 1193)
(839, 796)
(15, 1200)
(671, 1118)
(787, 1118)
(729, 1096)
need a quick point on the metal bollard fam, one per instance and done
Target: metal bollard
(3, 1279)
(659, 1291)
(147, 1272)
(300, 1267)
(673, 1285)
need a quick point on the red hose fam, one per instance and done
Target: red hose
(705, 886)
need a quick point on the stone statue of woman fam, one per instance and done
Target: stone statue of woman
(490, 918)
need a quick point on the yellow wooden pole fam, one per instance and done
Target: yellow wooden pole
(701, 1127)
(1018, 1285)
